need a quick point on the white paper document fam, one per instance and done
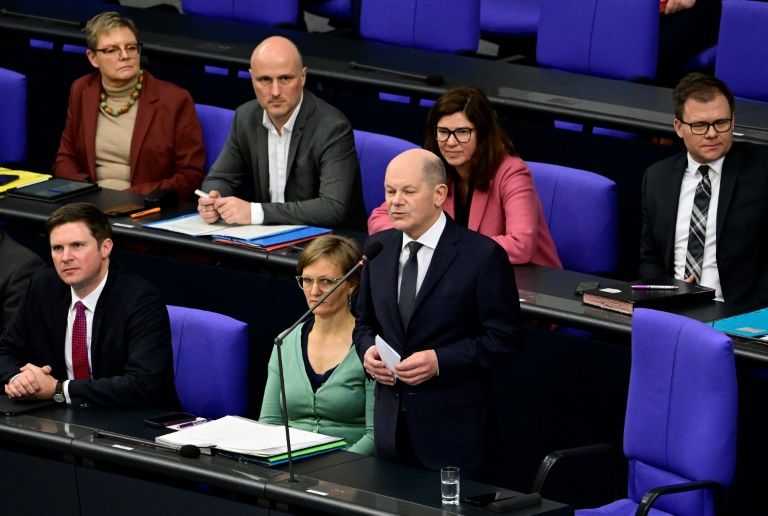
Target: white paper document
(245, 436)
(388, 355)
(194, 225)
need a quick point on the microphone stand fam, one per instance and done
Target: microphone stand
(279, 343)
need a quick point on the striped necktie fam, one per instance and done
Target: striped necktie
(698, 231)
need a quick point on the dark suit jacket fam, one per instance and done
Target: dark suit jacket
(131, 355)
(467, 310)
(167, 149)
(323, 187)
(742, 219)
(18, 264)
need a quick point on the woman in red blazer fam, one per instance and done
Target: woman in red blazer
(490, 189)
(125, 129)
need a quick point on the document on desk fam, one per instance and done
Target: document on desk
(247, 437)
(257, 235)
(753, 325)
(388, 355)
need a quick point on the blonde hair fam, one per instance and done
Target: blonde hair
(105, 22)
(341, 251)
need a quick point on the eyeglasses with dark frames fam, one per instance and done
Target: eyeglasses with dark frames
(114, 53)
(462, 134)
(701, 128)
(324, 284)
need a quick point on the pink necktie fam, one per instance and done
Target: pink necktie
(80, 344)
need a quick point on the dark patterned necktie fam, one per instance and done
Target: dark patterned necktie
(408, 284)
(80, 345)
(698, 230)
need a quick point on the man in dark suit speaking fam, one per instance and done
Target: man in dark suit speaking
(445, 299)
(89, 333)
(290, 157)
(705, 210)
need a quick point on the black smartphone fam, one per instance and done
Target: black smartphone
(125, 209)
(7, 178)
(586, 285)
(484, 499)
(169, 419)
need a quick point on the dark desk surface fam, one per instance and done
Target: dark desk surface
(339, 481)
(520, 89)
(546, 293)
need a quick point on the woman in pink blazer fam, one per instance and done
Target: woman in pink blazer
(490, 189)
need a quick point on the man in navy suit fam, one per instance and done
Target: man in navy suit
(115, 318)
(735, 250)
(437, 407)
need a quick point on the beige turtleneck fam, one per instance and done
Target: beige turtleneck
(113, 139)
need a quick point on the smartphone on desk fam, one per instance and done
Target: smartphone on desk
(169, 419)
(484, 499)
(124, 210)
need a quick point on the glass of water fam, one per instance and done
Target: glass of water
(449, 484)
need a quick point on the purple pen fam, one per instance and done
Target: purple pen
(655, 287)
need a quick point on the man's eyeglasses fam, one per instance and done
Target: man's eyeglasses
(324, 284)
(114, 53)
(462, 134)
(700, 128)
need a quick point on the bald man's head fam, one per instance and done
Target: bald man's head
(278, 75)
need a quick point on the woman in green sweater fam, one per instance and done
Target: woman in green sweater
(325, 383)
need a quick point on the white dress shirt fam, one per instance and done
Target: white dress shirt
(278, 145)
(710, 276)
(90, 307)
(429, 242)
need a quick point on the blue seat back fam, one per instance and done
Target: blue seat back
(210, 362)
(519, 18)
(742, 49)
(440, 25)
(375, 151)
(261, 12)
(581, 209)
(215, 122)
(681, 409)
(617, 39)
(13, 106)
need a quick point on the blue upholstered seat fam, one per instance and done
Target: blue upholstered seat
(581, 209)
(215, 122)
(375, 151)
(13, 106)
(210, 362)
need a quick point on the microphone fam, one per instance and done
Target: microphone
(189, 451)
(372, 250)
(433, 79)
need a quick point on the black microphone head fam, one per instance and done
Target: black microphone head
(372, 250)
(434, 79)
(189, 451)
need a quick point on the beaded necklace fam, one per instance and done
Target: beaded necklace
(131, 101)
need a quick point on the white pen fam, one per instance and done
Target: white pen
(200, 193)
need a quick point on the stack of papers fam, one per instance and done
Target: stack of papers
(252, 440)
(251, 236)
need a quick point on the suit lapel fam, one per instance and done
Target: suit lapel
(147, 107)
(262, 158)
(731, 168)
(387, 283)
(670, 198)
(307, 106)
(91, 103)
(60, 314)
(444, 255)
(477, 208)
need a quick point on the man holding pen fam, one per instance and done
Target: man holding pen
(289, 158)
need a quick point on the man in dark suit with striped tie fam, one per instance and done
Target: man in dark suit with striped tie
(705, 212)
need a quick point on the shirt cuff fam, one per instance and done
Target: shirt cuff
(65, 388)
(257, 213)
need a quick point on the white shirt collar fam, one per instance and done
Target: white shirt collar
(288, 127)
(431, 237)
(91, 299)
(715, 166)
